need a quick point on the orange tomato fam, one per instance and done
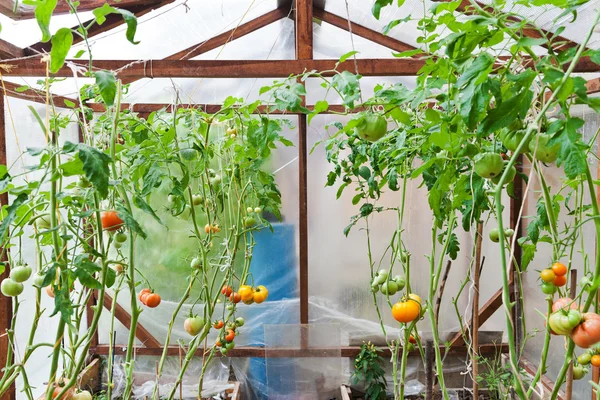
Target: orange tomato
(559, 269)
(230, 335)
(50, 291)
(560, 280)
(152, 300)
(227, 290)
(218, 324)
(260, 294)
(142, 295)
(235, 297)
(111, 221)
(218, 343)
(596, 360)
(407, 310)
(246, 293)
(547, 275)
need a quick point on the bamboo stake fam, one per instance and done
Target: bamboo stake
(475, 319)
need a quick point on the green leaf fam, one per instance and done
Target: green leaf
(347, 56)
(320, 106)
(378, 5)
(504, 114)
(130, 19)
(140, 203)
(394, 23)
(572, 153)
(43, 13)
(107, 84)
(129, 221)
(527, 254)
(95, 166)
(11, 214)
(61, 44)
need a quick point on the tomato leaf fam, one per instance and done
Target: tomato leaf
(145, 207)
(107, 84)
(347, 56)
(61, 44)
(130, 19)
(129, 221)
(504, 114)
(95, 166)
(572, 153)
(378, 5)
(11, 213)
(43, 13)
(394, 23)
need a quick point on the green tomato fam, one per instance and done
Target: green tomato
(257, 210)
(389, 288)
(249, 222)
(10, 288)
(215, 180)
(188, 154)
(121, 237)
(197, 200)
(584, 359)
(512, 172)
(509, 232)
(229, 307)
(404, 256)
(239, 321)
(579, 372)
(548, 288)
(194, 325)
(249, 210)
(230, 345)
(542, 150)
(382, 276)
(585, 283)
(400, 281)
(494, 235)
(512, 139)
(196, 263)
(117, 245)
(563, 323)
(42, 222)
(224, 351)
(20, 273)
(375, 286)
(488, 165)
(38, 280)
(371, 127)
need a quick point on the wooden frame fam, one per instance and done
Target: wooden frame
(179, 65)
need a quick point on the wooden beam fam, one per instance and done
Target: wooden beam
(223, 68)
(9, 50)
(6, 306)
(304, 29)
(239, 69)
(112, 21)
(364, 32)
(125, 318)
(35, 95)
(317, 352)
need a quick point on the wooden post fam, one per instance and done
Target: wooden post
(6, 313)
(475, 319)
(429, 379)
(304, 51)
(515, 208)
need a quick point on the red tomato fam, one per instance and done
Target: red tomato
(587, 333)
(560, 280)
(565, 303)
(235, 297)
(559, 269)
(230, 335)
(218, 325)
(226, 290)
(152, 300)
(111, 221)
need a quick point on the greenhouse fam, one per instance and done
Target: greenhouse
(299, 199)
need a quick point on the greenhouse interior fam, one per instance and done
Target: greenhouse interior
(346, 199)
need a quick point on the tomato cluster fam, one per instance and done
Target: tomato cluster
(553, 277)
(149, 298)
(212, 228)
(13, 285)
(567, 319)
(226, 338)
(388, 286)
(246, 294)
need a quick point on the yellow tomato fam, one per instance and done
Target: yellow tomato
(260, 294)
(246, 292)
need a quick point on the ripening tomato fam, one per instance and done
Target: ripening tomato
(57, 389)
(559, 269)
(587, 333)
(563, 322)
(412, 339)
(235, 297)
(260, 294)
(595, 360)
(143, 293)
(246, 292)
(560, 281)
(218, 324)
(406, 310)
(111, 221)
(81, 395)
(565, 304)
(152, 300)
(230, 335)
(227, 290)
(547, 275)
(194, 325)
